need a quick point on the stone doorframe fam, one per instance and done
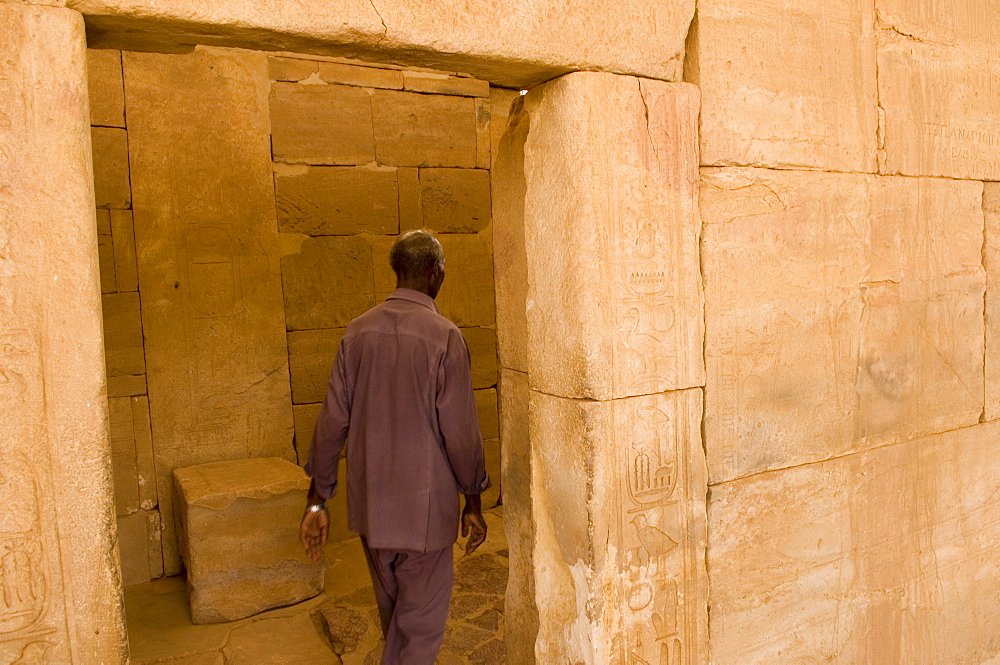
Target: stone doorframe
(601, 389)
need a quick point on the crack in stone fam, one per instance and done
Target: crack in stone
(385, 28)
(649, 134)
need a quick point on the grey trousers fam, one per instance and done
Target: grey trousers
(412, 590)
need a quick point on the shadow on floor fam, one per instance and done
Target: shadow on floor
(340, 626)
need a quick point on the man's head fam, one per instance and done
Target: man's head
(417, 258)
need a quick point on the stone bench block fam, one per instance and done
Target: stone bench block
(238, 523)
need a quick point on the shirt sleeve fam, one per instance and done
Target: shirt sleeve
(331, 429)
(458, 419)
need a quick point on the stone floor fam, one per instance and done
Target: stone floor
(337, 627)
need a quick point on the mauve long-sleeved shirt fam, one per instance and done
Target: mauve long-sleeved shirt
(400, 396)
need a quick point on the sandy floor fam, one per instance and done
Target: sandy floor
(338, 626)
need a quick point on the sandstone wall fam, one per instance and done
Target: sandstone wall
(247, 271)
(850, 401)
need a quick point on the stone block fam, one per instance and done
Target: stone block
(105, 87)
(208, 262)
(238, 524)
(455, 200)
(106, 262)
(618, 503)
(328, 283)
(368, 77)
(483, 139)
(154, 543)
(127, 385)
(609, 210)
(884, 556)
(111, 168)
(123, 341)
(486, 406)
(338, 200)
(143, 438)
(857, 320)
(385, 278)
(310, 358)
(321, 124)
(424, 130)
(133, 548)
(444, 84)
(291, 70)
(61, 599)
(305, 416)
(466, 296)
(787, 84)
(482, 343)
(991, 262)
(122, 232)
(937, 90)
(123, 462)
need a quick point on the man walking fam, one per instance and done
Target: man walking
(400, 396)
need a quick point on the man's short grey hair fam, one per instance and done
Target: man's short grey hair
(415, 253)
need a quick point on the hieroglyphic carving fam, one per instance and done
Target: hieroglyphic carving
(659, 530)
(208, 263)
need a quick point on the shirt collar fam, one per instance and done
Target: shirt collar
(415, 297)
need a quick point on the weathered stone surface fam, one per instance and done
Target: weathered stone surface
(103, 222)
(785, 84)
(145, 465)
(611, 227)
(521, 620)
(410, 213)
(483, 139)
(443, 84)
(238, 526)
(509, 197)
(517, 44)
(883, 556)
(105, 87)
(132, 540)
(486, 406)
(424, 130)
(111, 168)
(501, 101)
(991, 261)
(856, 320)
(126, 273)
(618, 503)
(328, 283)
(455, 200)
(321, 124)
(310, 358)
(466, 296)
(123, 461)
(338, 200)
(106, 262)
(937, 88)
(279, 641)
(298, 69)
(482, 343)
(347, 627)
(305, 416)
(154, 543)
(61, 600)
(123, 341)
(208, 260)
(126, 386)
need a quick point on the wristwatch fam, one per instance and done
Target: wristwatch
(316, 507)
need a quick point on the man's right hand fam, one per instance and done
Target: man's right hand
(473, 523)
(313, 532)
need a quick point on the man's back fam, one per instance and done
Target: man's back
(401, 394)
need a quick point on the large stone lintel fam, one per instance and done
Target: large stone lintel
(517, 43)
